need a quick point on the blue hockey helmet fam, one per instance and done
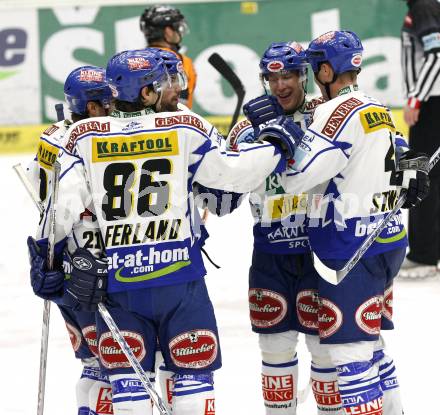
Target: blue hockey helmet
(84, 84)
(283, 56)
(131, 70)
(342, 49)
(174, 67)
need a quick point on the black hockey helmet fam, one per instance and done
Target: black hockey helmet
(154, 19)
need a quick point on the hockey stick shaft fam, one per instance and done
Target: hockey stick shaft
(227, 72)
(117, 335)
(50, 255)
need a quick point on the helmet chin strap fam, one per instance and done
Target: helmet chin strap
(157, 105)
(327, 84)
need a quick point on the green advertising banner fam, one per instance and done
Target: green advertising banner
(238, 31)
(62, 38)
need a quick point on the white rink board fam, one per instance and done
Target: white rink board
(413, 345)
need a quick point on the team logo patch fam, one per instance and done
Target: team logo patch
(112, 356)
(296, 47)
(50, 130)
(104, 402)
(74, 336)
(329, 318)
(356, 60)
(89, 75)
(326, 393)
(209, 406)
(340, 113)
(369, 314)
(387, 309)
(89, 334)
(190, 120)
(325, 37)
(82, 263)
(307, 307)
(277, 388)
(135, 64)
(233, 135)
(266, 307)
(275, 66)
(194, 349)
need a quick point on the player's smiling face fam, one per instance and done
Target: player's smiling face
(288, 89)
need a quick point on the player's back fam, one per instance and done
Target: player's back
(139, 171)
(347, 161)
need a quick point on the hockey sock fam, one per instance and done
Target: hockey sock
(130, 396)
(89, 376)
(392, 403)
(166, 381)
(100, 397)
(194, 394)
(325, 389)
(280, 386)
(359, 387)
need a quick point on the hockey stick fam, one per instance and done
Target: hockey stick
(336, 276)
(50, 258)
(117, 335)
(226, 71)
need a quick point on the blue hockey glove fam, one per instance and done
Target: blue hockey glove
(46, 284)
(261, 110)
(88, 280)
(415, 168)
(284, 133)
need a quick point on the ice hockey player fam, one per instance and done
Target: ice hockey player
(347, 161)
(164, 27)
(87, 95)
(138, 166)
(282, 266)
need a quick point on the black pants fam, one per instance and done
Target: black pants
(424, 220)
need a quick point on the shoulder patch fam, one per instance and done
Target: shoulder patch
(50, 130)
(46, 154)
(84, 128)
(184, 119)
(340, 113)
(236, 131)
(313, 103)
(376, 118)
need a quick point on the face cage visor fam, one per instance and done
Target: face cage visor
(181, 28)
(179, 79)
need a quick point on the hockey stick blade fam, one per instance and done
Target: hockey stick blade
(336, 276)
(226, 71)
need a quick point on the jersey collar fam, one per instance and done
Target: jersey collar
(122, 114)
(347, 89)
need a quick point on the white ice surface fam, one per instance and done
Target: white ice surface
(414, 344)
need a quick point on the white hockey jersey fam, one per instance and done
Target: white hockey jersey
(280, 217)
(347, 163)
(40, 172)
(138, 174)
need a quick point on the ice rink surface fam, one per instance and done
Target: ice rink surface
(414, 344)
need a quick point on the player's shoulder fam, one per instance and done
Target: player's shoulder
(84, 128)
(334, 115)
(55, 132)
(184, 119)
